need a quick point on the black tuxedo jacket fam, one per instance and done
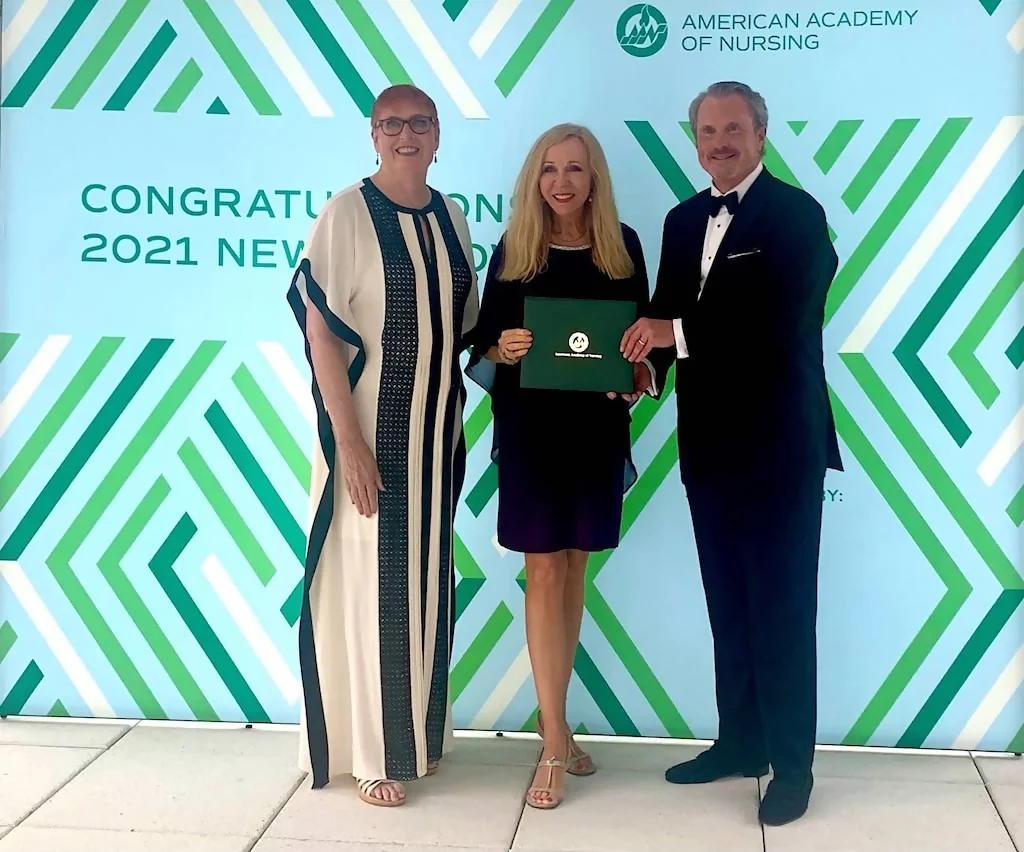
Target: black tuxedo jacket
(752, 400)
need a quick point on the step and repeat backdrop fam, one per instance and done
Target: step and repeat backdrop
(161, 163)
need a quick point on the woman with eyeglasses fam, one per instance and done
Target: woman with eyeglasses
(386, 295)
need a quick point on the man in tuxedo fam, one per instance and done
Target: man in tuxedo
(738, 307)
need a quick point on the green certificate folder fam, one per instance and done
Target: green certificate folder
(576, 344)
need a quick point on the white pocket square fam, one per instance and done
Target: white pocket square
(736, 254)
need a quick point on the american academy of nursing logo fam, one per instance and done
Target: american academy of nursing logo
(579, 342)
(642, 30)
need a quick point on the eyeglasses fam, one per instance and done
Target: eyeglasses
(419, 124)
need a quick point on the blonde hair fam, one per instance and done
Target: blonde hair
(530, 225)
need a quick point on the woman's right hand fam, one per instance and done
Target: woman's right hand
(362, 478)
(513, 344)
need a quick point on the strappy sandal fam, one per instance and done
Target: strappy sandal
(368, 788)
(579, 763)
(551, 764)
(433, 767)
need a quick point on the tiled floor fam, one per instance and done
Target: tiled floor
(76, 787)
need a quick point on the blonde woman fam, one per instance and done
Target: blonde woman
(563, 457)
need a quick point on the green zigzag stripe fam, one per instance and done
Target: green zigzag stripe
(894, 213)
(604, 696)
(50, 52)
(477, 423)
(257, 480)
(964, 352)
(80, 453)
(965, 663)
(957, 587)
(1015, 351)
(375, 43)
(479, 650)
(124, 589)
(162, 566)
(59, 414)
(143, 67)
(1016, 508)
(472, 578)
(531, 45)
(181, 87)
(908, 350)
(279, 433)
(22, 690)
(7, 341)
(663, 161)
(836, 142)
(226, 511)
(59, 561)
(336, 57)
(942, 484)
(878, 162)
(232, 57)
(8, 637)
(454, 7)
(101, 54)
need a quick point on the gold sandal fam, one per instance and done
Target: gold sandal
(577, 755)
(368, 788)
(551, 764)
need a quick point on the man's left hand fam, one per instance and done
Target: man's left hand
(644, 335)
(642, 380)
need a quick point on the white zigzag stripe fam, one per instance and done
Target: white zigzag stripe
(286, 60)
(18, 28)
(62, 649)
(1003, 450)
(993, 704)
(932, 236)
(508, 687)
(249, 626)
(438, 60)
(1016, 35)
(290, 378)
(28, 382)
(490, 27)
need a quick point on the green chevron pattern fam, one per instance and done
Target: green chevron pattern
(153, 491)
(253, 75)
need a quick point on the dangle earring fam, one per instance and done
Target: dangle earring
(435, 156)
(378, 158)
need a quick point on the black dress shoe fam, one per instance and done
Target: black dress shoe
(785, 801)
(713, 765)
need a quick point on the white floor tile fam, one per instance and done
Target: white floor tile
(475, 806)
(494, 751)
(273, 845)
(1009, 800)
(27, 839)
(1002, 770)
(870, 766)
(169, 780)
(30, 774)
(855, 815)
(651, 758)
(619, 811)
(67, 734)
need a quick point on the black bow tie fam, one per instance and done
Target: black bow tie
(717, 202)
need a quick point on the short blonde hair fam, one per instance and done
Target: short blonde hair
(529, 227)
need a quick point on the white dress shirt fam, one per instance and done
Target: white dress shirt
(713, 236)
